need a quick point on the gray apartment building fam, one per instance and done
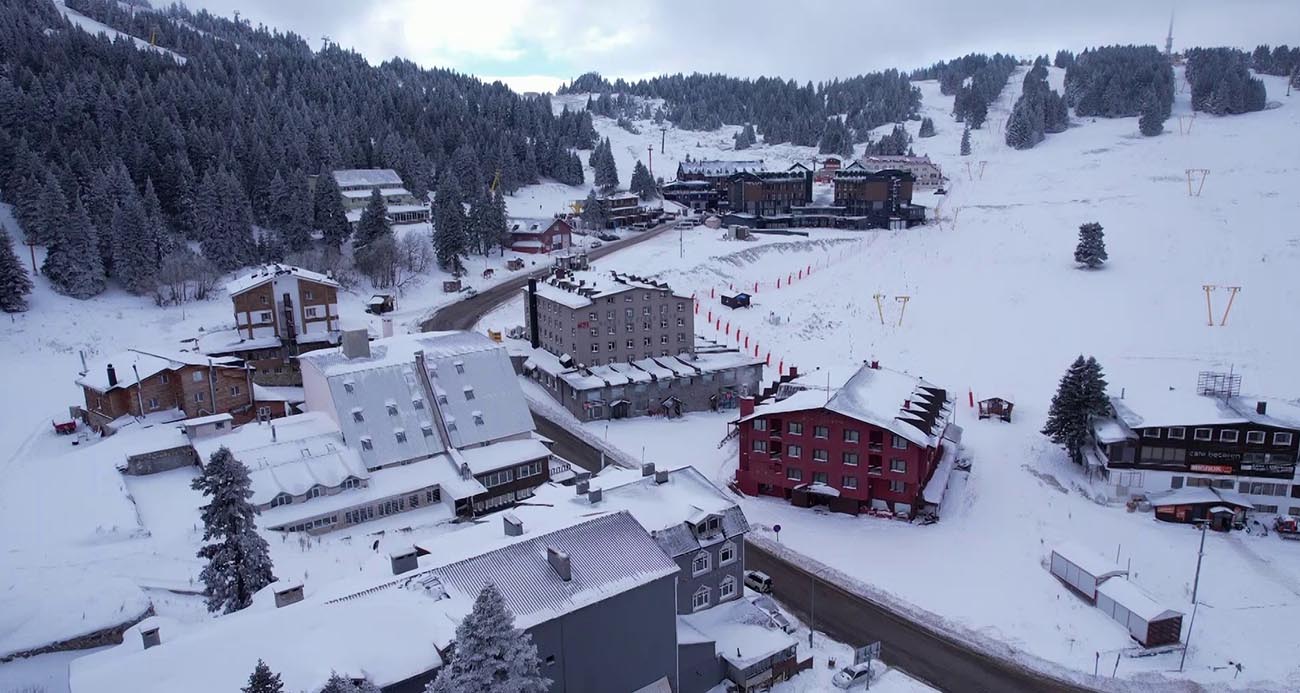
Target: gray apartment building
(612, 345)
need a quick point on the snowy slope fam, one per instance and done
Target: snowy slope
(95, 27)
(996, 305)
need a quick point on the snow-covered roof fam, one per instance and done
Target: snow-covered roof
(742, 632)
(233, 341)
(506, 453)
(1108, 430)
(279, 393)
(718, 167)
(938, 484)
(1199, 495)
(1128, 595)
(895, 401)
(302, 642)
(385, 192)
(641, 370)
(127, 364)
(367, 177)
(579, 289)
(1088, 560)
(258, 276)
(478, 396)
(878, 161)
(1159, 408)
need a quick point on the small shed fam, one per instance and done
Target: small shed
(451, 286)
(381, 303)
(1082, 569)
(514, 264)
(1147, 621)
(996, 408)
(737, 301)
(1202, 504)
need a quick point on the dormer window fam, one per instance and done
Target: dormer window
(349, 387)
(366, 444)
(427, 430)
(281, 499)
(478, 419)
(469, 392)
(417, 403)
(400, 435)
(392, 409)
(460, 367)
(357, 416)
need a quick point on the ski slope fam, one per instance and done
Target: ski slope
(95, 27)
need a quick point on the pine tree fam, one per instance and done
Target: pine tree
(73, 263)
(450, 239)
(1091, 251)
(643, 184)
(328, 214)
(374, 221)
(593, 212)
(927, 128)
(965, 141)
(500, 220)
(263, 680)
(15, 284)
(746, 137)
(135, 247)
(491, 655)
(1151, 122)
(239, 560)
(1065, 425)
(606, 175)
(52, 214)
(482, 236)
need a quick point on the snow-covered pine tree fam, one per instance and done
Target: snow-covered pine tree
(15, 284)
(135, 247)
(1093, 401)
(239, 560)
(73, 263)
(328, 214)
(164, 240)
(643, 183)
(374, 221)
(491, 655)
(499, 220)
(746, 137)
(965, 141)
(593, 212)
(482, 236)
(1066, 426)
(450, 240)
(263, 680)
(1152, 121)
(339, 684)
(927, 128)
(52, 211)
(606, 175)
(1091, 251)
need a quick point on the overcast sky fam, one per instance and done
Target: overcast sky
(537, 44)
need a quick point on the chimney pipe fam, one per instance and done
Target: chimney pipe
(112, 376)
(595, 495)
(356, 344)
(1261, 408)
(661, 476)
(559, 561)
(534, 331)
(582, 487)
(404, 560)
(514, 526)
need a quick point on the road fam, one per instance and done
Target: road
(917, 650)
(463, 314)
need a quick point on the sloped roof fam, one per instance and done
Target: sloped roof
(719, 167)
(1124, 592)
(129, 362)
(369, 177)
(260, 275)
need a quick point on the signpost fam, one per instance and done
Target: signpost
(867, 653)
(777, 530)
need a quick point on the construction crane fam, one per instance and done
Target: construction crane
(495, 182)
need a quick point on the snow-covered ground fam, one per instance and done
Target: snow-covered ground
(95, 27)
(997, 306)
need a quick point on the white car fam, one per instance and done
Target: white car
(595, 244)
(852, 677)
(758, 581)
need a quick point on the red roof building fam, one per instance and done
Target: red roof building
(533, 237)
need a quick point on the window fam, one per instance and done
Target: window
(281, 499)
(820, 478)
(348, 386)
(400, 435)
(1176, 482)
(392, 409)
(198, 397)
(821, 456)
(760, 424)
(417, 403)
(727, 553)
(427, 430)
(899, 442)
(166, 378)
(897, 486)
(1227, 435)
(1255, 437)
(315, 492)
(681, 336)
(1151, 433)
(795, 428)
(595, 332)
(849, 482)
(898, 464)
(497, 478)
(645, 341)
(793, 451)
(153, 402)
(1280, 438)
(631, 343)
(850, 435)
(611, 347)
(821, 432)
(794, 474)
(1177, 433)
(310, 311)
(357, 416)
(1203, 434)
(469, 393)
(760, 446)
(527, 470)
(681, 322)
(700, 600)
(591, 316)
(351, 482)
(849, 458)
(366, 444)
(727, 588)
(663, 339)
(702, 563)
(265, 299)
(197, 376)
(266, 316)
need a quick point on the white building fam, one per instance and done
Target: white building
(356, 186)
(927, 173)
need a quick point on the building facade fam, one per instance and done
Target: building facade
(357, 185)
(695, 195)
(717, 174)
(769, 193)
(872, 441)
(925, 173)
(1164, 441)
(884, 198)
(541, 236)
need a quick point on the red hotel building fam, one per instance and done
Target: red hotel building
(871, 440)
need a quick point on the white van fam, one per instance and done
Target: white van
(758, 581)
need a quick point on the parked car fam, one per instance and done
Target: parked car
(852, 677)
(758, 581)
(595, 244)
(469, 291)
(607, 236)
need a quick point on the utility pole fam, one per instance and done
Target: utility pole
(650, 156)
(1188, 644)
(663, 139)
(1196, 582)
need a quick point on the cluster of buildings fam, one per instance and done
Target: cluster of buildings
(613, 345)
(625, 581)
(873, 192)
(1207, 453)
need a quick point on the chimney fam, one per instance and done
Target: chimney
(582, 487)
(595, 495)
(272, 433)
(794, 372)
(746, 406)
(388, 327)
(289, 593)
(404, 560)
(1261, 408)
(356, 344)
(875, 365)
(648, 469)
(907, 404)
(150, 637)
(513, 525)
(534, 334)
(559, 561)
(661, 476)
(112, 376)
